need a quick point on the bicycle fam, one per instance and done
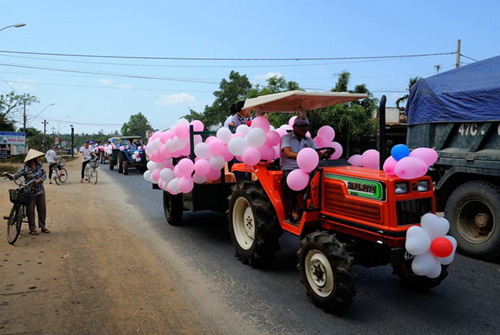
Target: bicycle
(20, 197)
(59, 173)
(91, 171)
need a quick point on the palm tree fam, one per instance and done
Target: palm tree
(411, 82)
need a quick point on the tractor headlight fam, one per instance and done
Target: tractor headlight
(401, 188)
(423, 185)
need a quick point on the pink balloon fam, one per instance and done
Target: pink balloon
(185, 184)
(140, 148)
(291, 120)
(181, 131)
(186, 151)
(410, 168)
(327, 133)
(210, 139)
(251, 156)
(163, 137)
(202, 167)
(216, 146)
(185, 166)
(238, 135)
(177, 172)
(370, 159)
(228, 156)
(164, 153)
(197, 125)
(307, 159)
(321, 142)
(338, 150)
(389, 166)
(429, 156)
(297, 180)
(261, 122)
(272, 138)
(281, 131)
(355, 160)
(122, 148)
(156, 174)
(213, 174)
(266, 152)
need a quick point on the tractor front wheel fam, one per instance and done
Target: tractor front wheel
(326, 271)
(419, 283)
(253, 224)
(125, 167)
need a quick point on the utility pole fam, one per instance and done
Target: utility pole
(72, 140)
(44, 132)
(457, 64)
(24, 126)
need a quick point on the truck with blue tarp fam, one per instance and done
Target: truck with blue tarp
(458, 114)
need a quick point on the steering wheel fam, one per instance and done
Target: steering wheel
(328, 150)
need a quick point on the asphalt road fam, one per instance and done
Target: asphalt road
(275, 302)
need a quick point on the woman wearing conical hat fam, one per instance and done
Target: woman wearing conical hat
(33, 170)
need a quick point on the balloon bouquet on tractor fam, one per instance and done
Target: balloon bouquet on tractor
(349, 214)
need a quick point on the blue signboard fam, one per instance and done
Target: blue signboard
(12, 138)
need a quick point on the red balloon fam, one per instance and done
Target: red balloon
(441, 247)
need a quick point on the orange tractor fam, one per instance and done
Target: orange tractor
(351, 215)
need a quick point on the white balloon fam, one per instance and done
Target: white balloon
(237, 145)
(426, 265)
(449, 259)
(170, 145)
(434, 225)
(151, 166)
(417, 241)
(182, 121)
(217, 162)
(181, 142)
(167, 175)
(164, 185)
(201, 150)
(242, 129)
(199, 179)
(173, 186)
(156, 144)
(147, 175)
(197, 139)
(256, 137)
(224, 134)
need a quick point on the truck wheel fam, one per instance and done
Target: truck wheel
(473, 210)
(173, 208)
(253, 224)
(125, 167)
(111, 164)
(419, 283)
(326, 271)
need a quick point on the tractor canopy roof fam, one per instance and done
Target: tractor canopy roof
(299, 101)
(130, 137)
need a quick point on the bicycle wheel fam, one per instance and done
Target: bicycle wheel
(95, 176)
(88, 173)
(63, 175)
(54, 176)
(14, 224)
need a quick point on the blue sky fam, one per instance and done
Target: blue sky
(221, 29)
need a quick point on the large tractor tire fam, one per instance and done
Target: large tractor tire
(418, 283)
(253, 224)
(473, 210)
(111, 164)
(326, 270)
(125, 167)
(120, 164)
(173, 208)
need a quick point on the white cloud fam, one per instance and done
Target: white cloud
(106, 82)
(174, 99)
(268, 75)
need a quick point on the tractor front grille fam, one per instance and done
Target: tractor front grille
(410, 211)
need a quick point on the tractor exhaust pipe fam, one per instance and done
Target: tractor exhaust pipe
(381, 116)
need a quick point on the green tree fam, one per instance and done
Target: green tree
(11, 103)
(411, 82)
(230, 91)
(137, 125)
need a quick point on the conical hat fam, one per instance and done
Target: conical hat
(33, 154)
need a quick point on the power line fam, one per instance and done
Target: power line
(225, 59)
(469, 57)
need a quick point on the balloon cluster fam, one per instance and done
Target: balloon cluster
(369, 159)
(136, 155)
(430, 245)
(409, 165)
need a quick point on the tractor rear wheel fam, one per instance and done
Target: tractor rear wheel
(173, 208)
(419, 283)
(473, 210)
(326, 270)
(253, 224)
(111, 164)
(120, 164)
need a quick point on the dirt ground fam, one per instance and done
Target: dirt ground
(86, 277)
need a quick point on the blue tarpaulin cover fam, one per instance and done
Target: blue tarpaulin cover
(468, 94)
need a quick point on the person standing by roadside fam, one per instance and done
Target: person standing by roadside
(51, 158)
(32, 170)
(86, 153)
